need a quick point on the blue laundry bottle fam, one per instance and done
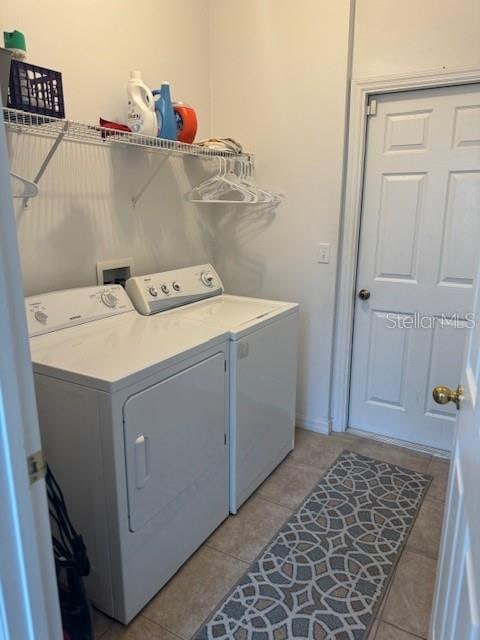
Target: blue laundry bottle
(165, 115)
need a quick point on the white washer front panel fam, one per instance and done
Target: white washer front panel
(262, 404)
(174, 436)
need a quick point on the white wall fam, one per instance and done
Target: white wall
(273, 74)
(84, 212)
(96, 44)
(281, 90)
(409, 36)
(279, 86)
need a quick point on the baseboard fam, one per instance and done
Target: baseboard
(419, 448)
(318, 426)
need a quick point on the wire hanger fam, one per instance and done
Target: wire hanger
(30, 188)
(239, 188)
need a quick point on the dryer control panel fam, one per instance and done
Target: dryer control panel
(162, 291)
(48, 312)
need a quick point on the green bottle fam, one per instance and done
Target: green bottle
(15, 42)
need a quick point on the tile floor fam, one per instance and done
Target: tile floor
(194, 592)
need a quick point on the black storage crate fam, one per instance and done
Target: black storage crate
(35, 89)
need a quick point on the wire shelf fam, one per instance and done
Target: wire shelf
(34, 124)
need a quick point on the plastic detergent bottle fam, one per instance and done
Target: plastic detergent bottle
(141, 117)
(166, 117)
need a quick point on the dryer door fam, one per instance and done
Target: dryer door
(174, 439)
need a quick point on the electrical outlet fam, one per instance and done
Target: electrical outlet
(323, 252)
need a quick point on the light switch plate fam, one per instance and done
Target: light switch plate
(323, 252)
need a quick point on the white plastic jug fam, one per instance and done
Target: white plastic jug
(141, 116)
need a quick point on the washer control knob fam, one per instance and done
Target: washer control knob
(165, 288)
(207, 278)
(40, 316)
(109, 300)
(153, 292)
(176, 286)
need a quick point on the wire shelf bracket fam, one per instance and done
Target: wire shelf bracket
(48, 158)
(148, 182)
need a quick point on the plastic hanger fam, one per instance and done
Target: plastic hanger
(30, 188)
(224, 182)
(227, 182)
(261, 195)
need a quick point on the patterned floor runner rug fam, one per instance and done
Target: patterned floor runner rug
(323, 575)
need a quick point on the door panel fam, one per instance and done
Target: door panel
(457, 593)
(418, 255)
(400, 219)
(407, 131)
(467, 127)
(174, 437)
(386, 384)
(459, 255)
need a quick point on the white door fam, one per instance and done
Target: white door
(28, 590)
(456, 608)
(418, 254)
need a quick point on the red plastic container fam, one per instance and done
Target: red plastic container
(186, 122)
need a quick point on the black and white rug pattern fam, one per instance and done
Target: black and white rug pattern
(323, 574)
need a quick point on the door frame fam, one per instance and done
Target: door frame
(361, 91)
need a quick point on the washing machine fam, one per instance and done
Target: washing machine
(263, 363)
(134, 424)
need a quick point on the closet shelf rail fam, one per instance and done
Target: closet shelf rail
(70, 130)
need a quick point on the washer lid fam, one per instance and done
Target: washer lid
(114, 352)
(236, 313)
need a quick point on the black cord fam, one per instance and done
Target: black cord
(70, 547)
(58, 500)
(59, 529)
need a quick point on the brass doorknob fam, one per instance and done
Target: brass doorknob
(444, 395)
(364, 294)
